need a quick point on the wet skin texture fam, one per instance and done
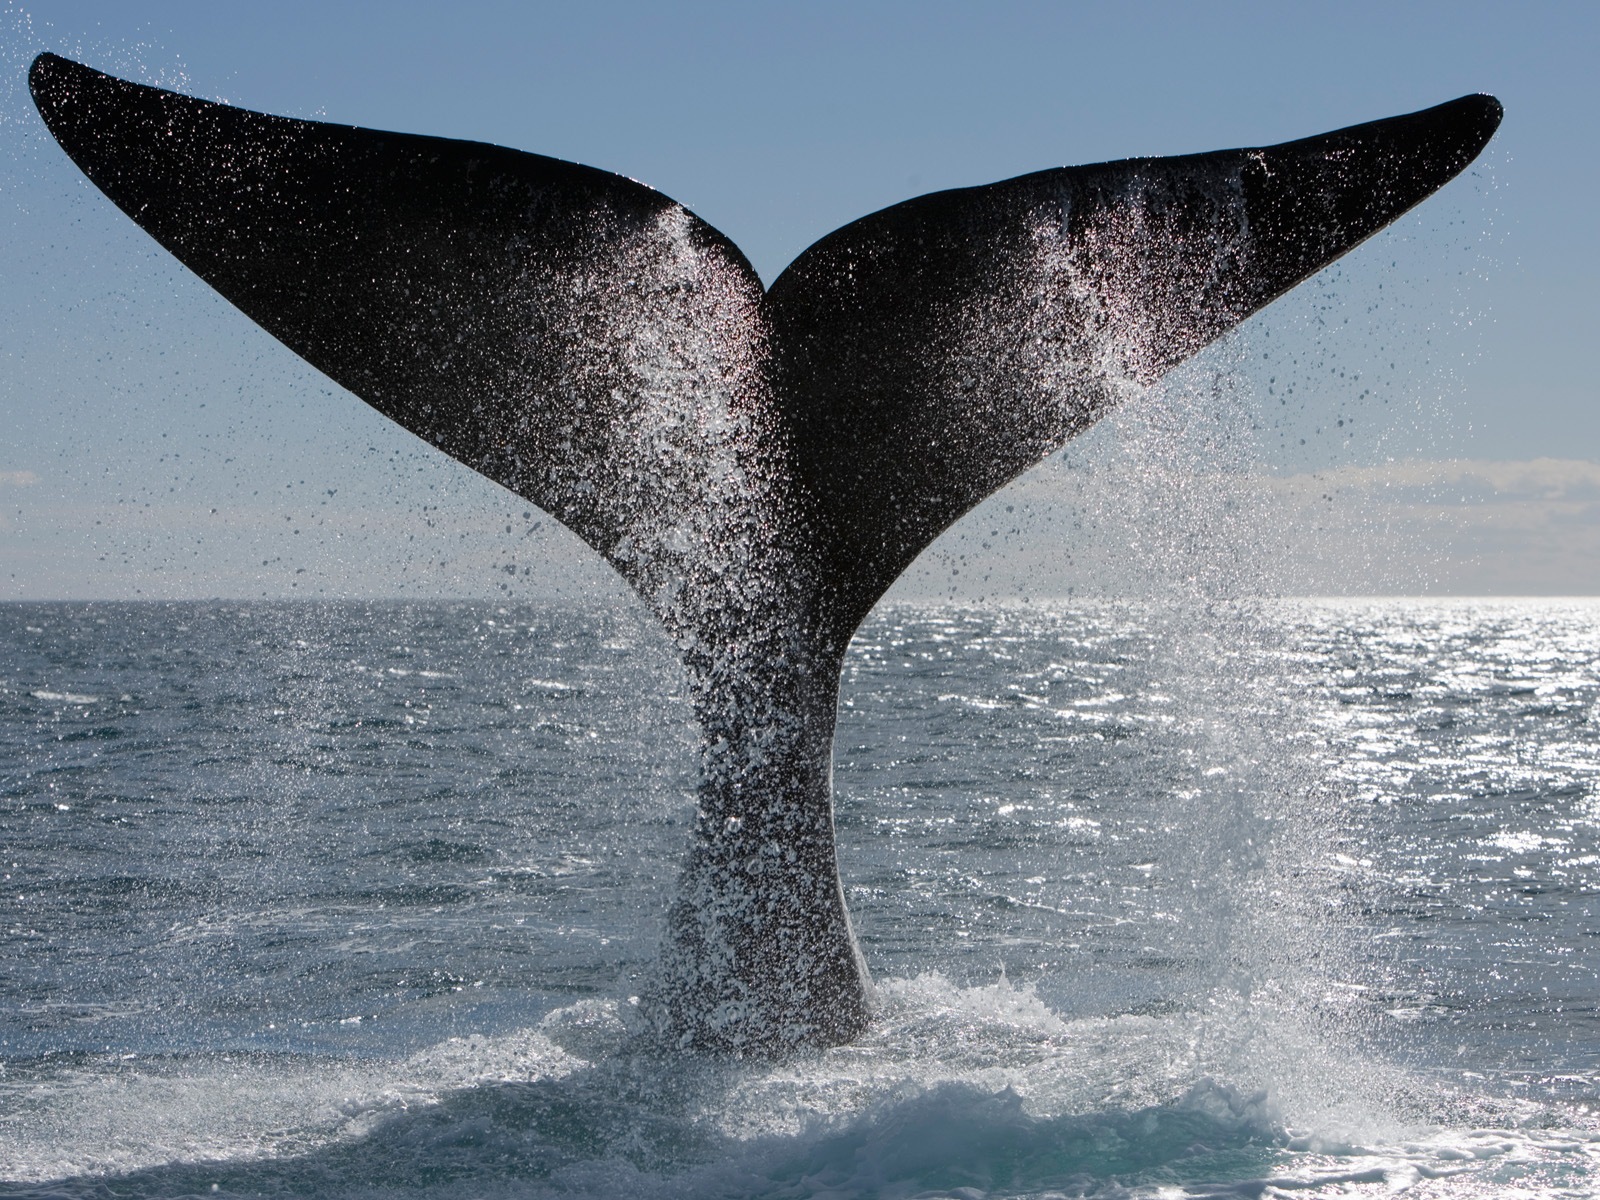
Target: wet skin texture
(758, 464)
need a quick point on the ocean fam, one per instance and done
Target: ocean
(1161, 900)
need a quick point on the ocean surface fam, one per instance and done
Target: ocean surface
(346, 900)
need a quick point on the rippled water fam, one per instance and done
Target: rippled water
(340, 900)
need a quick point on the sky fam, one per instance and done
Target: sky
(1419, 418)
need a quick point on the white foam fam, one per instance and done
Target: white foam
(975, 1092)
(132, 1114)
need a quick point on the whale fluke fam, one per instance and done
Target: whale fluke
(937, 349)
(492, 302)
(759, 465)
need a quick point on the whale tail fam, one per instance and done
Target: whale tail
(598, 349)
(759, 464)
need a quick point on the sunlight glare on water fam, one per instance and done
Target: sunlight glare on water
(320, 950)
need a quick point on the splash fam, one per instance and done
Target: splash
(760, 465)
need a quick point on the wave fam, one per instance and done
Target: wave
(960, 1092)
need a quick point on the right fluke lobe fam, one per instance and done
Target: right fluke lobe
(1310, 201)
(935, 350)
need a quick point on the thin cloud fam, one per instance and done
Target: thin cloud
(18, 478)
(1539, 478)
(1473, 526)
(1449, 526)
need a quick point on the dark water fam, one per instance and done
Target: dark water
(350, 900)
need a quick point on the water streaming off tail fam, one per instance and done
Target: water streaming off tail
(360, 900)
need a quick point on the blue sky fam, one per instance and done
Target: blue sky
(152, 442)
